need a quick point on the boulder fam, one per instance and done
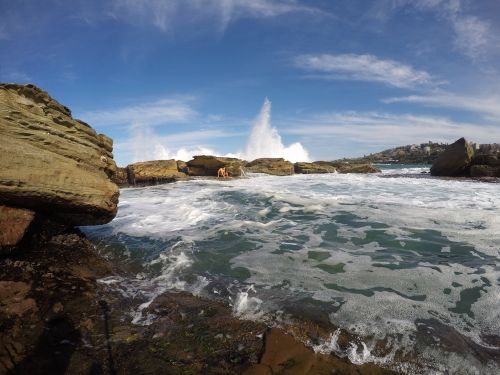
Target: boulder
(153, 172)
(14, 223)
(484, 171)
(308, 168)
(207, 165)
(454, 161)
(51, 162)
(343, 167)
(273, 166)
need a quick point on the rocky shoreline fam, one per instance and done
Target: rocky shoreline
(57, 173)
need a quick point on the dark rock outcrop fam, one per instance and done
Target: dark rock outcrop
(454, 161)
(484, 171)
(309, 168)
(273, 166)
(51, 162)
(153, 172)
(207, 165)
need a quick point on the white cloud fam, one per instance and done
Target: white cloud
(164, 14)
(144, 143)
(387, 129)
(472, 35)
(486, 107)
(363, 68)
(162, 111)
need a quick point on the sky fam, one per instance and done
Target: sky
(331, 78)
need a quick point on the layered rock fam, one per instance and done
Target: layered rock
(120, 177)
(153, 172)
(207, 165)
(52, 163)
(311, 168)
(455, 160)
(342, 167)
(273, 166)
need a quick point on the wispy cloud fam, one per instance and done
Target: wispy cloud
(14, 76)
(487, 107)
(472, 34)
(162, 111)
(363, 68)
(387, 129)
(165, 14)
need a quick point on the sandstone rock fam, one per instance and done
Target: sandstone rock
(207, 165)
(51, 162)
(153, 172)
(454, 161)
(357, 168)
(484, 171)
(308, 168)
(14, 223)
(273, 166)
(120, 177)
(343, 167)
(182, 166)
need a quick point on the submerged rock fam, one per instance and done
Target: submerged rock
(309, 168)
(207, 165)
(454, 161)
(273, 166)
(51, 162)
(153, 172)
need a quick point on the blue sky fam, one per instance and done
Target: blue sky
(172, 78)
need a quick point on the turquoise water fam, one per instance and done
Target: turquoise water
(412, 263)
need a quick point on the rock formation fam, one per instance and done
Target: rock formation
(273, 166)
(454, 161)
(153, 172)
(51, 163)
(343, 167)
(309, 168)
(206, 165)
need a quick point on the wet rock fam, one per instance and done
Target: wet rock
(207, 165)
(486, 159)
(14, 300)
(51, 162)
(14, 223)
(484, 171)
(454, 161)
(308, 168)
(273, 166)
(343, 167)
(153, 172)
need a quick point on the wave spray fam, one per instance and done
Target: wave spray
(265, 142)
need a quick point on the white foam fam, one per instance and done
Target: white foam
(271, 216)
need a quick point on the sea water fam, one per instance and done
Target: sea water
(407, 264)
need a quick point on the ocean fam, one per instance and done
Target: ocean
(407, 265)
